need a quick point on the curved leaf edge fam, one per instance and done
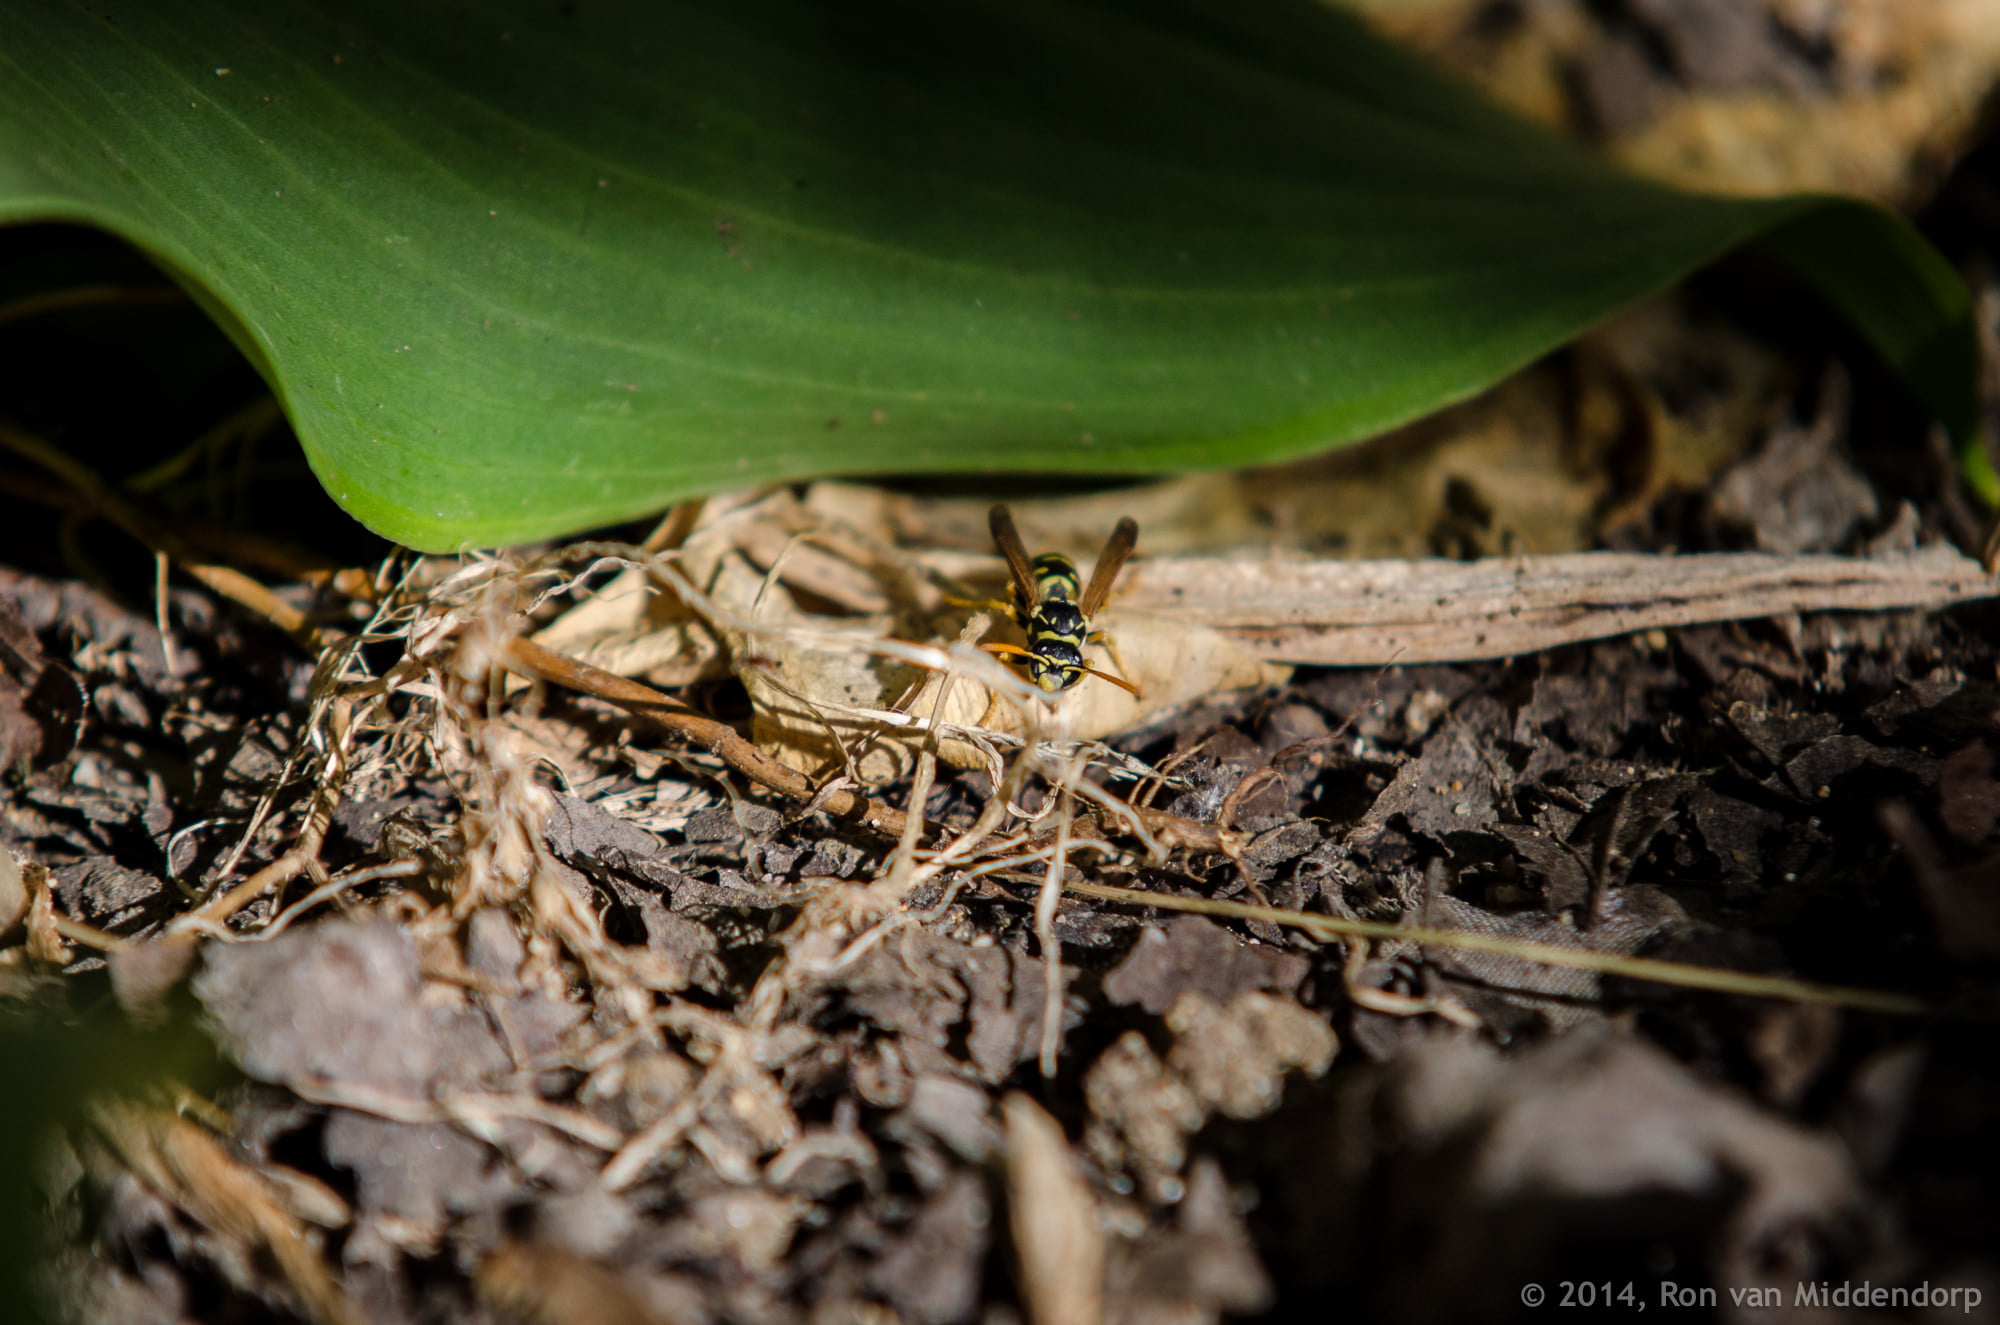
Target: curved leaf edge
(1869, 263)
(1923, 327)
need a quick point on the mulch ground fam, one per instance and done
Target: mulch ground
(679, 1060)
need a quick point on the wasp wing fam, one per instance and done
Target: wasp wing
(1117, 550)
(1008, 539)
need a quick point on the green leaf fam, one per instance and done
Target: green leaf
(518, 268)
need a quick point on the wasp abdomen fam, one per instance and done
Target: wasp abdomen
(1056, 577)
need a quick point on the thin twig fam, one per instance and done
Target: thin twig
(465, 1109)
(718, 738)
(1636, 968)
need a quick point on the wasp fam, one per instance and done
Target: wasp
(1048, 609)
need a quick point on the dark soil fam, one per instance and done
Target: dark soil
(1818, 800)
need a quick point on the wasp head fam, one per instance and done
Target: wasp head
(1054, 665)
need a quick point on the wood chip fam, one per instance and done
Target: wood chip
(1373, 613)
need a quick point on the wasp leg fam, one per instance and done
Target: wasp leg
(1005, 609)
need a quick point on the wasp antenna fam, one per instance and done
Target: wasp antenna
(1118, 681)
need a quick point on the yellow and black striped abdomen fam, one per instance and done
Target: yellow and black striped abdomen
(1056, 577)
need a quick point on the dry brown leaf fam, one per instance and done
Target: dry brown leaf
(630, 627)
(828, 684)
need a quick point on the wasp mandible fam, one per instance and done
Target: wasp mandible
(1048, 609)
